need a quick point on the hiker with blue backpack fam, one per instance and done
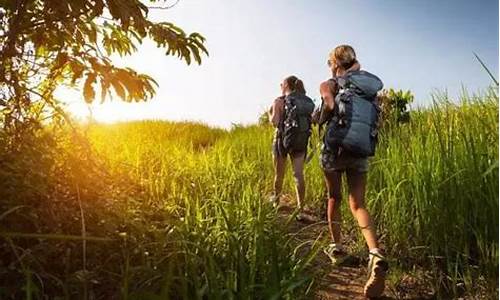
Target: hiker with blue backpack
(350, 112)
(291, 115)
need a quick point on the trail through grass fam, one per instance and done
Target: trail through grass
(183, 213)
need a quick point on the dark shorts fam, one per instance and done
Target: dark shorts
(345, 161)
(277, 152)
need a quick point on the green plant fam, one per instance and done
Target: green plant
(49, 43)
(180, 209)
(394, 106)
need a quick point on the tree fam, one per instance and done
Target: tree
(264, 119)
(47, 43)
(394, 105)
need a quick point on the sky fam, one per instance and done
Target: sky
(424, 46)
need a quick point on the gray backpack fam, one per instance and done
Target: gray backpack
(353, 126)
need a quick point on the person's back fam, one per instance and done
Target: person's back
(291, 115)
(346, 147)
(296, 127)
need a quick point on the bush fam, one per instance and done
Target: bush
(394, 105)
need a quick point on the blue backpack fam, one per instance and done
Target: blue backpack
(353, 126)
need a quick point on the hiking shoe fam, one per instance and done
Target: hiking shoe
(301, 217)
(335, 252)
(274, 200)
(377, 270)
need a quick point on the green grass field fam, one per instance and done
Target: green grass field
(158, 210)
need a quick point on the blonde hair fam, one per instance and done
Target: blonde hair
(343, 56)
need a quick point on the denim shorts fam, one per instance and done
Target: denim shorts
(344, 161)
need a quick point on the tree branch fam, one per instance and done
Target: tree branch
(164, 7)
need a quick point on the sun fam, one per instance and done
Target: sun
(110, 111)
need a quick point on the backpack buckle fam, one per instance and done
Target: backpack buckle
(341, 82)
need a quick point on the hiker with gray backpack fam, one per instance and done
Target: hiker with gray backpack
(350, 114)
(291, 115)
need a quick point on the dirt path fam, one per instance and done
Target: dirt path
(333, 282)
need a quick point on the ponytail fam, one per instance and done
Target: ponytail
(295, 84)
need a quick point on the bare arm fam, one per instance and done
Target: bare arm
(276, 110)
(327, 90)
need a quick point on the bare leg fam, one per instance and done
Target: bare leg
(333, 185)
(357, 184)
(279, 173)
(298, 175)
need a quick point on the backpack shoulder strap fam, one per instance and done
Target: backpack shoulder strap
(343, 81)
(334, 80)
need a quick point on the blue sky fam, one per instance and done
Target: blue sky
(418, 45)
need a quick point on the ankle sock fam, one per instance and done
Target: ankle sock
(375, 251)
(337, 246)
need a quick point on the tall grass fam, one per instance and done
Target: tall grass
(434, 188)
(433, 191)
(224, 240)
(179, 210)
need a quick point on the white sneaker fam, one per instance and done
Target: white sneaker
(275, 200)
(302, 217)
(377, 270)
(335, 252)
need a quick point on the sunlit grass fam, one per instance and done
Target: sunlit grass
(432, 186)
(179, 210)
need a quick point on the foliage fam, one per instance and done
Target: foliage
(166, 210)
(394, 105)
(434, 190)
(264, 119)
(48, 43)
(171, 210)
